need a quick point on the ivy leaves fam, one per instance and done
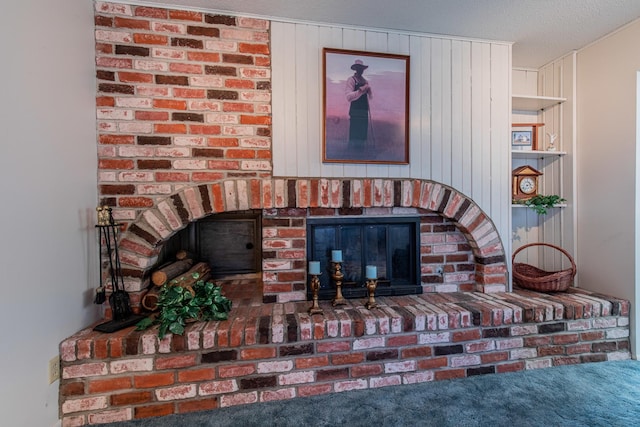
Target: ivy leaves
(540, 203)
(178, 305)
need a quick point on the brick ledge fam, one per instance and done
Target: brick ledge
(277, 351)
(253, 322)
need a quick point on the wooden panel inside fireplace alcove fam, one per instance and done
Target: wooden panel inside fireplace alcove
(229, 242)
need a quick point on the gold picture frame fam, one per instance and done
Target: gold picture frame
(365, 107)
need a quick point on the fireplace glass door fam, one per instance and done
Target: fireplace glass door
(390, 244)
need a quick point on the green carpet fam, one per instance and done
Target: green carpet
(592, 394)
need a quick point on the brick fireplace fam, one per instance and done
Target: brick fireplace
(184, 133)
(464, 235)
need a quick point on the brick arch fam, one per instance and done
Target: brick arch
(142, 241)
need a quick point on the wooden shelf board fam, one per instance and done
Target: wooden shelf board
(519, 205)
(534, 154)
(534, 103)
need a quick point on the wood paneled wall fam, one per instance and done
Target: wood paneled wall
(556, 79)
(459, 110)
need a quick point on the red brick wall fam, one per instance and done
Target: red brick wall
(182, 98)
(444, 246)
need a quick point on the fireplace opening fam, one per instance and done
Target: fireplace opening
(230, 243)
(390, 244)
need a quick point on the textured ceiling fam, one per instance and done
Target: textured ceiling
(541, 30)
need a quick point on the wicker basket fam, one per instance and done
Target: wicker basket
(530, 277)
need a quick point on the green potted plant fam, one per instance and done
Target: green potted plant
(180, 305)
(541, 203)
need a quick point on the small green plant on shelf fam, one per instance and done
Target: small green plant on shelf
(179, 305)
(541, 203)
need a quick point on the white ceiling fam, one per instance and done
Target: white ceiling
(542, 30)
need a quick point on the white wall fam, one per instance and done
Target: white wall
(459, 110)
(48, 196)
(607, 168)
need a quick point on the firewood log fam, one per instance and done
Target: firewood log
(187, 280)
(183, 254)
(150, 299)
(170, 271)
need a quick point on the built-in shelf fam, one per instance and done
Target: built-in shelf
(535, 154)
(520, 205)
(534, 103)
(544, 108)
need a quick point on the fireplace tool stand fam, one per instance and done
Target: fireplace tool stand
(119, 298)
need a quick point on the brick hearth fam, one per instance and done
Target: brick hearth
(277, 351)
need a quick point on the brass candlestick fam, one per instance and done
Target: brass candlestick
(315, 287)
(337, 277)
(371, 287)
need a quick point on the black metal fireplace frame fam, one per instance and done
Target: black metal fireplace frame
(356, 289)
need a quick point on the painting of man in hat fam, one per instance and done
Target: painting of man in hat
(358, 127)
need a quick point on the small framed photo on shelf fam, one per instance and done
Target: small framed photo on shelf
(522, 139)
(524, 136)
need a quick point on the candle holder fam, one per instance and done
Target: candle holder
(371, 284)
(315, 287)
(337, 277)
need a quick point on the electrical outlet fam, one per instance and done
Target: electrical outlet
(54, 369)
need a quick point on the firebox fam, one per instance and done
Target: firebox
(229, 243)
(389, 243)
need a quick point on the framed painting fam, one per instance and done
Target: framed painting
(365, 107)
(524, 136)
(521, 139)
